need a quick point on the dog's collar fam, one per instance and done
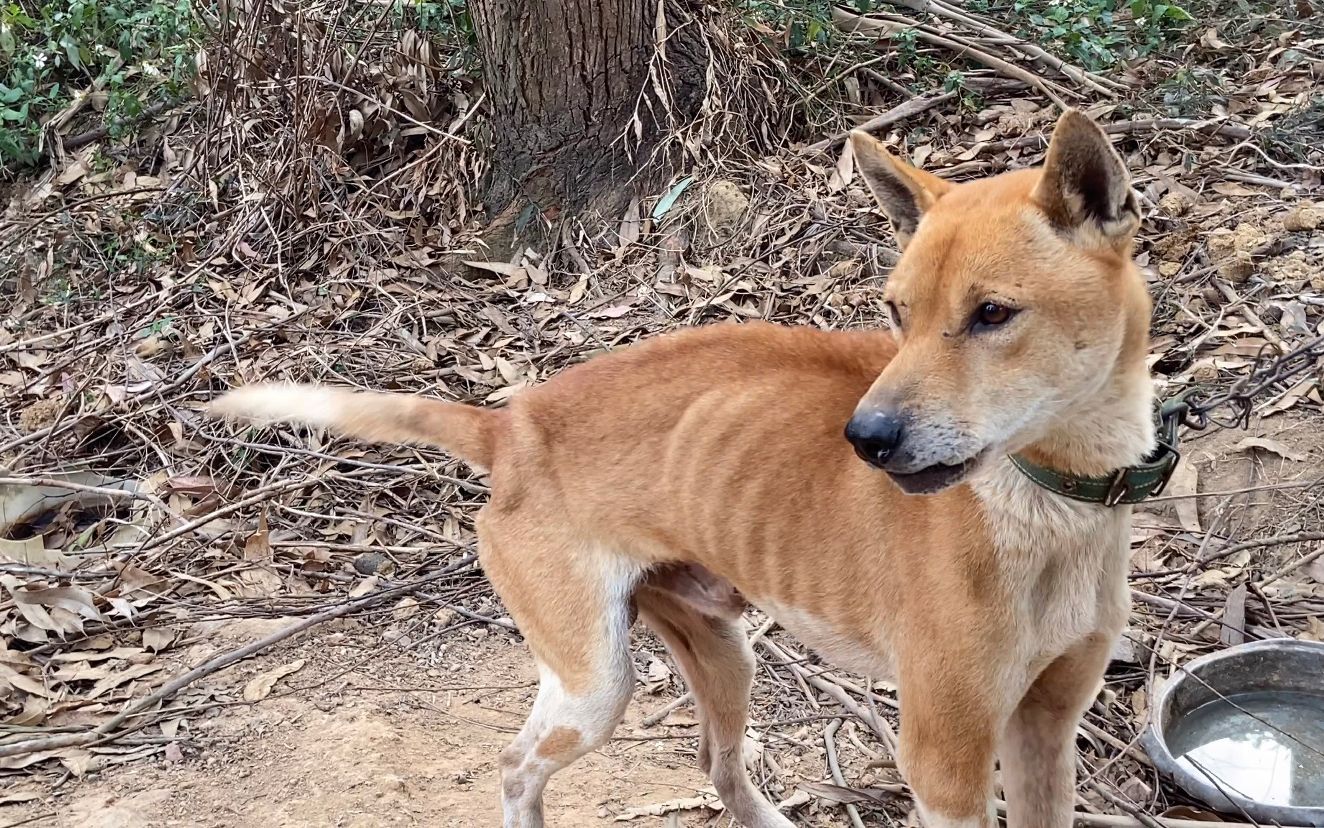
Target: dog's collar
(1129, 484)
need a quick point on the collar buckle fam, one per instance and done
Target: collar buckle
(1119, 488)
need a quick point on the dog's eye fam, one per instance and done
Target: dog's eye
(991, 315)
(894, 315)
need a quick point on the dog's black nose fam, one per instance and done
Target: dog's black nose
(875, 435)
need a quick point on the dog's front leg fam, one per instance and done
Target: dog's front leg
(1039, 749)
(949, 725)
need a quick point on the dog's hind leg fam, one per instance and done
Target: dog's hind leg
(572, 605)
(718, 663)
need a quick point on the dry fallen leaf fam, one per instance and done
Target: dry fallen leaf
(58, 609)
(1216, 578)
(18, 795)
(258, 545)
(845, 170)
(1314, 630)
(77, 761)
(122, 677)
(1186, 481)
(658, 675)
(30, 551)
(365, 586)
(498, 267)
(1188, 812)
(710, 802)
(1316, 570)
(1231, 188)
(260, 687)
(1272, 446)
(157, 639)
(630, 224)
(1292, 396)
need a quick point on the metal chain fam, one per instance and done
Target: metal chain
(1267, 370)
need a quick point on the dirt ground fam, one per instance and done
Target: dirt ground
(376, 729)
(366, 734)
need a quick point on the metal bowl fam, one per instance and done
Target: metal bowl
(1246, 726)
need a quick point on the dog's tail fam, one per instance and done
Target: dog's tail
(468, 432)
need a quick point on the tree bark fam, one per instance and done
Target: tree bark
(563, 81)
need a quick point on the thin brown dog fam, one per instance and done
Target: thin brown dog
(674, 476)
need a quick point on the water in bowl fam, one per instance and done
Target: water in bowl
(1267, 747)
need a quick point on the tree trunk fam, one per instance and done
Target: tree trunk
(564, 80)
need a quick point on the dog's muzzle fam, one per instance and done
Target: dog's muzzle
(877, 436)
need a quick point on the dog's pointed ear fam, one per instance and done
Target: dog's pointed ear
(903, 192)
(1085, 184)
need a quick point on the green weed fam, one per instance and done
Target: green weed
(1094, 33)
(803, 26)
(128, 54)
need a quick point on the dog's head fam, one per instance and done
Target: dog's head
(1014, 304)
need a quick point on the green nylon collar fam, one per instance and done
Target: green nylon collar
(1129, 484)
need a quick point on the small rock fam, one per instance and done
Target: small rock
(1237, 243)
(1175, 246)
(405, 609)
(476, 633)
(1304, 218)
(1213, 296)
(370, 563)
(1176, 203)
(149, 347)
(1205, 374)
(40, 414)
(724, 208)
(1292, 271)
(1169, 269)
(1136, 789)
(1237, 269)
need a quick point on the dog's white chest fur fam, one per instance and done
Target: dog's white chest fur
(1062, 564)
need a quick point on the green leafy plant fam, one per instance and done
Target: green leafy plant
(446, 20)
(1095, 33)
(127, 54)
(804, 26)
(969, 99)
